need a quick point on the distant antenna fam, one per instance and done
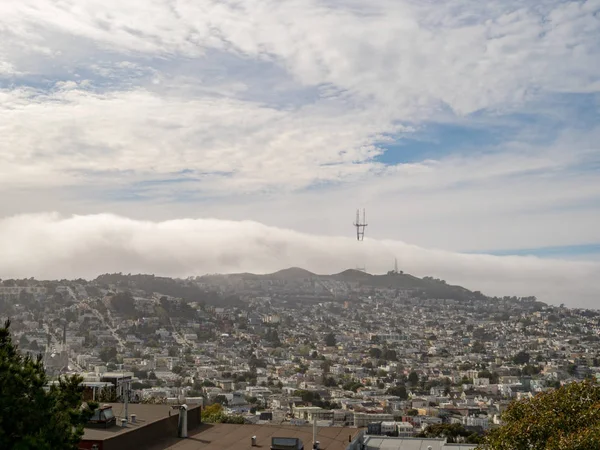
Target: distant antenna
(396, 265)
(360, 225)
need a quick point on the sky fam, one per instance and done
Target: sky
(182, 137)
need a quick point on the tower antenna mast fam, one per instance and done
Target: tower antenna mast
(360, 225)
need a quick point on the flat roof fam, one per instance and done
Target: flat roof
(396, 443)
(145, 414)
(237, 437)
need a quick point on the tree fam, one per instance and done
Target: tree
(108, 354)
(31, 417)
(398, 391)
(375, 352)
(123, 303)
(107, 395)
(330, 382)
(413, 377)
(450, 431)
(141, 374)
(214, 414)
(478, 347)
(330, 340)
(563, 418)
(222, 400)
(521, 358)
(390, 355)
(352, 386)
(179, 370)
(307, 396)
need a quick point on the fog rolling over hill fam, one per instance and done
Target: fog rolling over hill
(50, 246)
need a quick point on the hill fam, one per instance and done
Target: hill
(426, 287)
(292, 274)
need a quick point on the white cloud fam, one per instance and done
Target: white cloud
(77, 132)
(407, 56)
(258, 96)
(52, 246)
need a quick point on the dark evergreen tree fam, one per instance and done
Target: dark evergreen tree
(32, 417)
(330, 340)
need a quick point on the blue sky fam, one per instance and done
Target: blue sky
(572, 251)
(461, 126)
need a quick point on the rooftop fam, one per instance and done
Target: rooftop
(146, 414)
(391, 443)
(237, 437)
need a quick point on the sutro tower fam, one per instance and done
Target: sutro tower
(360, 226)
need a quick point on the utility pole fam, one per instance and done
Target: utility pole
(125, 394)
(126, 404)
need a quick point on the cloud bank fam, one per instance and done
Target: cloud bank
(51, 246)
(462, 125)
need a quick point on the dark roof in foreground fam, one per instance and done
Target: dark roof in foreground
(146, 414)
(237, 437)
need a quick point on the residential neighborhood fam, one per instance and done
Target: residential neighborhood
(394, 354)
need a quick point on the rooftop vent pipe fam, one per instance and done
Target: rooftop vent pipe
(182, 430)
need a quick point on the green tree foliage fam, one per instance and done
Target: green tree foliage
(398, 391)
(123, 303)
(375, 352)
(521, 358)
(215, 414)
(566, 418)
(492, 376)
(330, 340)
(107, 394)
(175, 288)
(413, 377)
(352, 386)
(330, 382)
(390, 355)
(222, 400)
(272, 337)
(141, 374)
(452, 432)
(478, 347)
(108, 354)
(531, 370)
(307, 396)
(177, 308)
(31, 417)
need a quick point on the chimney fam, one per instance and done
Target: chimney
(253, 441)
(182, 431)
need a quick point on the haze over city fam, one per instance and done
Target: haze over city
(183, 138)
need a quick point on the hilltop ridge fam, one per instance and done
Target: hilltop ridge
(427, 286)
